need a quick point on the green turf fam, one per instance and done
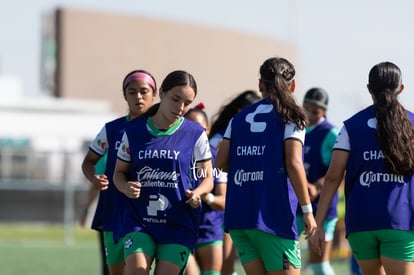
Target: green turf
(45, 250)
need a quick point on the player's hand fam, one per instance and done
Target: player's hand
(194, 198)
(100, 182)
(317, 241)
(309, 224)
(132, 189)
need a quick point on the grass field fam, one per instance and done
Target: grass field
(45, 250)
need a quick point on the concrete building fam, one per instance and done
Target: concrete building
(95, 50)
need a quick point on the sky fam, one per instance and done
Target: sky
(338, 41)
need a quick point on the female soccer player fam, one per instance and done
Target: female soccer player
(154, 170)
(375, 148)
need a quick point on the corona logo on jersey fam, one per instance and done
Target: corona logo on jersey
(369, 177)
(242, 176)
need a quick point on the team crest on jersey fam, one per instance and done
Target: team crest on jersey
(258, 126)
(101, 143)
(125, 149)
(128, 242)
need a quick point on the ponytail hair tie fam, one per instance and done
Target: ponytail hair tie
(200, 106)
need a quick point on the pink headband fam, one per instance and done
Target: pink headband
(142, 76)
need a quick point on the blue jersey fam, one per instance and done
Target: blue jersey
(314, 164)
(375, 198)
(164, 167)
(211, 226)
(107, 216)
(259, 193)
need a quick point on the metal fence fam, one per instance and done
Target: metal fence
(45, 187)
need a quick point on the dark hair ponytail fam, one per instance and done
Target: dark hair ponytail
(277, 74)
(395, 131)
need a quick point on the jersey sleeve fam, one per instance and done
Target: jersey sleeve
(123, 150)
(100, 144)
(342, 141)
(202, 148)
(293, 132)
(227, 133)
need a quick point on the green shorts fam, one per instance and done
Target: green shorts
(328, 227)
(114, 251)
(275, 252)
(136, 242)
(393, 244)
(215, 243)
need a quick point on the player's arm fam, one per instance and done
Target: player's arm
(100, 182)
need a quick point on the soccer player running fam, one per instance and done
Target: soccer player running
(155, 160)
(139, 90)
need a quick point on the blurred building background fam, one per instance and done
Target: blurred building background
(84, 57)
(95, 50)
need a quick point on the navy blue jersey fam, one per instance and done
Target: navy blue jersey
(259, 193)
(107, 216)
(163, 165)
(211, 226)
(314, 164)
(375, 198)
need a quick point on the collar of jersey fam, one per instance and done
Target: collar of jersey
(310, 128)
(155, 132)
